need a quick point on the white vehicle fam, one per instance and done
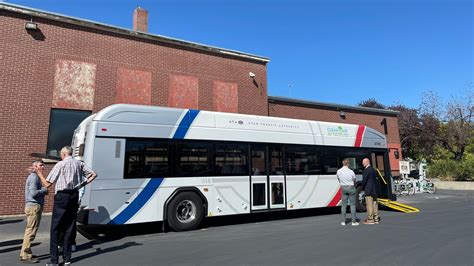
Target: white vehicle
(181, 165)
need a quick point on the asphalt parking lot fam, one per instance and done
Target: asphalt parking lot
(441, 234)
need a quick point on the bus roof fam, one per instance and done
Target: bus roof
(208, 125)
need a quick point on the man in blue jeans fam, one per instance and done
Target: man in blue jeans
(347, 178)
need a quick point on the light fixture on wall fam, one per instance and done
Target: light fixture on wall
(396, 154)
(30, 25)
(342, 114)
(254, 80)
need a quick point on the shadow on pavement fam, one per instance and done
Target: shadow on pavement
(18, 242)
(104, 232)
(267, 216)
(11, 221)
(95, 251)
(99, 251)
(114, 232)
(11, 242)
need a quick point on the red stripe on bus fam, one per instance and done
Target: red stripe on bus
(336, 198)
(360, 133)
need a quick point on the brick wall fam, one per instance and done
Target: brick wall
(37, 67)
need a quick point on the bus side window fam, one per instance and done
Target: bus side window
(231, 159)
(330, 161)
(146, 158)
(303, 160)
(193, 159)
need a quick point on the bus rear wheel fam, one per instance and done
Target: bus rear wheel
(185, 212)
(360, 200)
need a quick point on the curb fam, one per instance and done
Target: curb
(454, 185)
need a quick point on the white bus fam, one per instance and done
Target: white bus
(181, 165)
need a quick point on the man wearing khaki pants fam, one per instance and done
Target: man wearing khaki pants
(34, 198)
(370, 186)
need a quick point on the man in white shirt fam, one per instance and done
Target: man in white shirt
(347, 178)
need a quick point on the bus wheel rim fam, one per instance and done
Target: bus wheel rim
(186, 211)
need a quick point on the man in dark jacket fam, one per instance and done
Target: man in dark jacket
(370, 186)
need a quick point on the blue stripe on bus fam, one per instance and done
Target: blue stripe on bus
(138, 202)
(185, 123)
(150, 188)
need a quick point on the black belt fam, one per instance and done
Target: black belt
(68, 191)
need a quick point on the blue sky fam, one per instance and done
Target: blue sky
(338, 51)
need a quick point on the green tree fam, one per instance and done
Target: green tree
(457, 132)
(410, 129)
(453, 151)
(430, 114)
(371, 103)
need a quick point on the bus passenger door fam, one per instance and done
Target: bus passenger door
(276, 177)
(267, 180)
(258, 178)
(382, 169)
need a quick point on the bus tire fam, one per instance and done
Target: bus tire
(185, 211)
(360, 200)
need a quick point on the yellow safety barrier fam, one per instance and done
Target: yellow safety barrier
(397, 206)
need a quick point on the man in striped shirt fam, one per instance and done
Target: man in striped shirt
(67, 174)
(347, 178)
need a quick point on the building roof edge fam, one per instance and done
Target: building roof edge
(339, 107)
(123, 31)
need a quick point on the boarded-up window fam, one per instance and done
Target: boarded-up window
(183, 92)
(133, 86)
(226, 97)
(74, 85)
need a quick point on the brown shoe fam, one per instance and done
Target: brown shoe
(368, 222)
(29, 260)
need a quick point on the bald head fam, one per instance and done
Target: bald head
(366, 162)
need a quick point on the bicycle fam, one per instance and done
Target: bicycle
(403, 187)
(427, 186)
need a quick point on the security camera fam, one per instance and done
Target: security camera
(251, 74)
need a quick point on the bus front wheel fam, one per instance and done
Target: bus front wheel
(185, 212)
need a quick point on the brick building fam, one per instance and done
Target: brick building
(384, 121)
(56, 70)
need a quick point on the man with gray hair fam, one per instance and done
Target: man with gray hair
(34, 198)
(347, 178)
(67, 174)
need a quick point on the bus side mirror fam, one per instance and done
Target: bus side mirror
(397, 155)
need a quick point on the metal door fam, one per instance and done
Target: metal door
(267, 179)
(382, 169)
(276, 178)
